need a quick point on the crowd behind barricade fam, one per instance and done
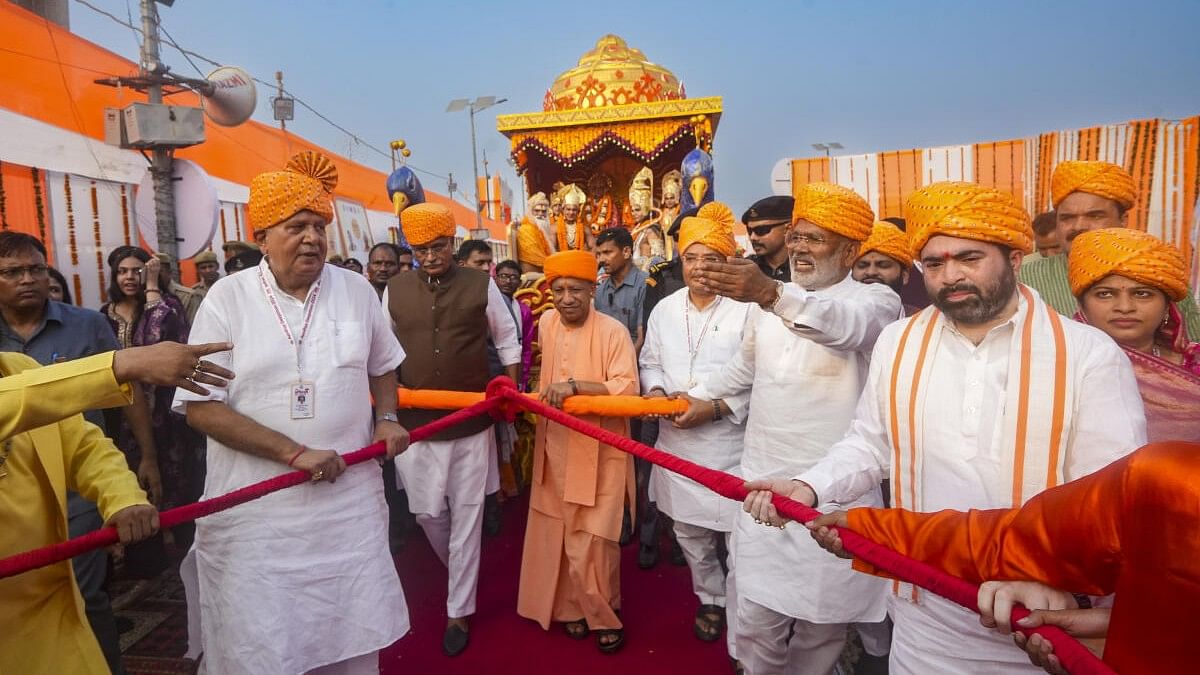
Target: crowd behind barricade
(930, 363)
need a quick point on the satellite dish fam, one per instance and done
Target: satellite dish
(232, 98)
(197, 210)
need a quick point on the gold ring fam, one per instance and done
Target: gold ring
(318, 475)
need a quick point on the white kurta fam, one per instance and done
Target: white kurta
(300, 578)
(964, 459)
(432, 478)
(806, 364)
(716, 335)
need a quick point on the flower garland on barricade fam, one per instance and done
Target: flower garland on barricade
(503, 401)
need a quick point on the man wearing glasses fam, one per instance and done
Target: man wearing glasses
(766, 221)
(443, 315)
(804, 359)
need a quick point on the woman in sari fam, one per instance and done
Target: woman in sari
(140, 315)
(1127, 282)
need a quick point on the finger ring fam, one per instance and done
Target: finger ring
(318, 475)
(757, 521)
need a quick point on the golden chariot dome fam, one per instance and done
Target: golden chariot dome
(612, 73)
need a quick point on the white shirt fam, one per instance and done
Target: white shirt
(501, 327)
(963, 457)
(311, 560)
(666, 362)
(805, 365)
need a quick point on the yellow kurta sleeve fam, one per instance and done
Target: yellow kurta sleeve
(32, 396)
(96, 469)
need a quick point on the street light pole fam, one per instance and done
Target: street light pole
(479, 104)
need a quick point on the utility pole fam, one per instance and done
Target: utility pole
(475, 166)
(161, 165)
(279, 93)
(487, 187)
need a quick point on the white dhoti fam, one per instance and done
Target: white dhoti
(446, 482)
(938, 636)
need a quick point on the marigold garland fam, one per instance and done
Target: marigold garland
(124, 215)
(70, 221)
(96, 237)
(39, 203)
(3, 201)
(605, 406)
(560, 227)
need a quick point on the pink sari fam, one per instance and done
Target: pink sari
(1170, 392)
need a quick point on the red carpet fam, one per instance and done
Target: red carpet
(658, 608)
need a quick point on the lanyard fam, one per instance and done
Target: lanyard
(310, 306)
(693, 351)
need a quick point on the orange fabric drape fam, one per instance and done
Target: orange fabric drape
(24, 202)
(899, 174)
(1001, 165)
(1139, 161)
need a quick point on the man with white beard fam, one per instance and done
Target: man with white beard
(535, 238)
(804, 359)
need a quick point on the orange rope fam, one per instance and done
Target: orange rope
(604, 406)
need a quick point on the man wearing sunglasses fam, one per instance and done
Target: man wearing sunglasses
(444, 315)
(766, 222)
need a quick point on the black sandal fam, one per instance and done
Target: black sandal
(610, 647)
(710, 621)
(577, 630)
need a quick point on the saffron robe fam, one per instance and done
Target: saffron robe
(1130, 528)
(570, 566)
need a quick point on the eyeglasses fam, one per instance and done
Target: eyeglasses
(795, 239)
(764, 230)
(689, 259)
(18, 273)
(507, 277)
(439, 248)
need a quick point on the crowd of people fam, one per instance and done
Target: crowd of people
(931, 363)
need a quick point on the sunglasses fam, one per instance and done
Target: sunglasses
(764, 230)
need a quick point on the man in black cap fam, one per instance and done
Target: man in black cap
(766, 222)
(243, 260)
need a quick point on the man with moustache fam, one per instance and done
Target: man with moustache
(766, 222)
(982, 401)
(884, 258)
(804, 359)
(1088, 196)
(535, 237)
(383, 261)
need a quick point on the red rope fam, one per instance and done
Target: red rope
(1074, 656)
(48, 555)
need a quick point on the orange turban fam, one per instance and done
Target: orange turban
(1130, 253)
(1098, 178)
(834, 208)
(306, 184)
(573, 264)
(422, 223)
(966, 211)
(889, 240)
(712, 226)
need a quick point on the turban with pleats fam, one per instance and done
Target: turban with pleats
(889, 240)
(422, 223)
(966, 211)
(1099, 178)
(712, 226)
(306, 184)
(573, 264)
(1130, 253)
(834, 208)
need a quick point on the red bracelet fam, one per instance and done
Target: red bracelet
(298, 453)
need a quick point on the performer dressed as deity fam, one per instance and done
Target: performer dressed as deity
(649, 243)
(570, 231)
(535, 238)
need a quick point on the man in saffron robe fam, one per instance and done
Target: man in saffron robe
(982, 401)
(570, 567)
(1130, 528)
(535, 238)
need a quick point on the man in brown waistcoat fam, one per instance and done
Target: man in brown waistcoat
(443, 316)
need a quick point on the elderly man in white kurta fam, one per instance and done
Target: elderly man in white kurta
(300, 581)
(804, 358)
(690, 335)
(1010, 399)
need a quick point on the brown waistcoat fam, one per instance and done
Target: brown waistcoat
(442, 325)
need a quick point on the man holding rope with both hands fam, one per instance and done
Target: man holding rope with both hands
(300, 581)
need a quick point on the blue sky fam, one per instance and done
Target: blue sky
(871, 75)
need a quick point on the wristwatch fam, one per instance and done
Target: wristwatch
(387, 417)
(778, 296)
